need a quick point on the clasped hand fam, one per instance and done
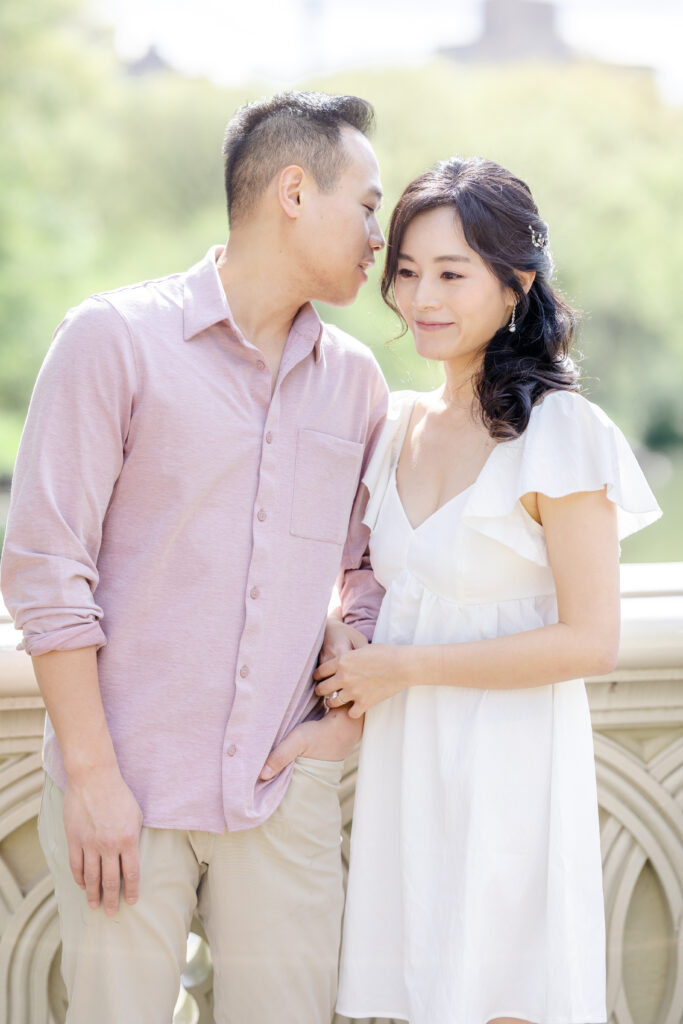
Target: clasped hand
(366, 674)
(363, 677)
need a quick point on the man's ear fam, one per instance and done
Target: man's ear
(290, 188)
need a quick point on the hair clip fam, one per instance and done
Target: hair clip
(538, 239)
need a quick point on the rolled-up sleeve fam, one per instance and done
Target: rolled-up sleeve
(70, 456)
(359, 592)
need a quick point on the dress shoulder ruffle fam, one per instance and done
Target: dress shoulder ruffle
(570, 445)
(385, 455)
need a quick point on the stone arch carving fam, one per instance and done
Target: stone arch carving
(640, 789)
(30, 931)
(641, 830)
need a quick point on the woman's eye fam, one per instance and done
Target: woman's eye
(450, 275)
(404, 272)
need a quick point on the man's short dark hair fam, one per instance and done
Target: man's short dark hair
(291, 128)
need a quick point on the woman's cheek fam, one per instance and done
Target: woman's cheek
(402, 300)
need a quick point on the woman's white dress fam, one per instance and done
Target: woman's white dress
(475, 887)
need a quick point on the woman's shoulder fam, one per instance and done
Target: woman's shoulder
(398, 413)
(569, 420)
(570, 445)
(569, 436)
(569, 404)
(399, 401)
(381, 464)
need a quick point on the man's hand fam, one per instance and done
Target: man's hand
(102, 821)
(331, 738)
(339, 638)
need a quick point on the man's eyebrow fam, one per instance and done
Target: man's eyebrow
(438, 259)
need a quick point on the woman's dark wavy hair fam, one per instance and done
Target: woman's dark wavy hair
(502, 224)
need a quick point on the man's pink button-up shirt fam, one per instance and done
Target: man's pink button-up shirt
(166, 508)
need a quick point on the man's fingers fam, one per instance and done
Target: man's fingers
(329, 653)
(326, 670)
(284, 754)
(76, 865)
(92, 877)
(130, 870)
(111, 882)
(339, 645)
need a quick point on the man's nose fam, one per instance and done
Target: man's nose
(377, 239)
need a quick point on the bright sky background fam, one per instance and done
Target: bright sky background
(236, 41)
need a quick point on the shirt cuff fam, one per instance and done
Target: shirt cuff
(69, 638)
(364, 626)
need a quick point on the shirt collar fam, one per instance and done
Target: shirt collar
(205, 304)
(204, 300)
(308, 327)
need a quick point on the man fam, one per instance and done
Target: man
(180, 510)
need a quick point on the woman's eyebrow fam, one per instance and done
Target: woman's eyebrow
(437, 259)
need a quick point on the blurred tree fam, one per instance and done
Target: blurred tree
(108, 178)
(53, 96)
(602, 154)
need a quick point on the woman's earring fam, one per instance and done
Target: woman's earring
(512, 326)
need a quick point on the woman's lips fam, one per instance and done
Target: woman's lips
(425, 325)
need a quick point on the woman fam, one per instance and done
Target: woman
(495, 508)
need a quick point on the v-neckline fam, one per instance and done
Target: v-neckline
(432, 515)
(449, 501)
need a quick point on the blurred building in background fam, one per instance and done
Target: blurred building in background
(521, 30)
(515, 30)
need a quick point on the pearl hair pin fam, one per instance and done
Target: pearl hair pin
(538, 239)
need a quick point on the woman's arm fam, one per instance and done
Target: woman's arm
(583, 549)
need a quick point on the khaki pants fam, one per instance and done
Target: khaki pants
(270, 899)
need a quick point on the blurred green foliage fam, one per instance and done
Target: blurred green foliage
(107, 178)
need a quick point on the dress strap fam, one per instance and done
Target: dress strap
(385, 456)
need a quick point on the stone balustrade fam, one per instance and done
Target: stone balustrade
(637, 714)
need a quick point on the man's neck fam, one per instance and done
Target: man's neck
(262, 296)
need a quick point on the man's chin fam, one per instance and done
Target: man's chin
(339, 298)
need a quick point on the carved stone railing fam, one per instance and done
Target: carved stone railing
(637, 716)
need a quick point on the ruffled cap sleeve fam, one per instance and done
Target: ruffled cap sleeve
(385, 456)
(570, 445)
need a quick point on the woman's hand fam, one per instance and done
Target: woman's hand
(333, 737)
(366, 676)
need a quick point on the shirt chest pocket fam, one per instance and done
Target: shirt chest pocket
(326, 475)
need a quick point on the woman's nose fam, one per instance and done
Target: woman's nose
(424, 297)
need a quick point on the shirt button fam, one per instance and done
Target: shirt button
(231, 751)
(254, 593)
(269, 438)
(260, 365)
(261, 515)
(244, 671)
